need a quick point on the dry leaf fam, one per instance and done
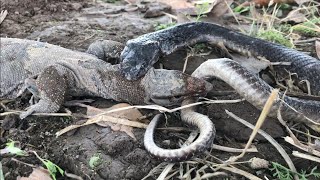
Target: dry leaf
(251, 63)
(182, 18)
(215, 7)
(181, 6)
(178, 4)
(206, 4)
(37, 174)
(130, 114)
(220, 7)
(318, 48)
(122, 120)
(295, 16)
(302, 1)
(270, 2)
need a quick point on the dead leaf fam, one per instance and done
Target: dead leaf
(182, 18)
(251, 63)
(130, 114)
(194, 8)
(204, 6)
(178, 4)
(37, 174)
(270, 2)
(295, 16)
(220, 7)
(302, 1)
(318, 48)
(122, 120)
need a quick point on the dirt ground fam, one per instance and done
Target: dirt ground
(74, 25)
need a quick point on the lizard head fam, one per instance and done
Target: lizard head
(170, 87)
(138, 57)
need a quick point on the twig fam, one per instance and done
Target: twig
(269, 138)
(21, 162)
(163, 109)
(36, 114)
(166, 171)
(265, 111)
(235, 170)
(306, 156)
(233, 150)
(3, 15)
(168, 168)
(302, 146)
(72, 176)
(306, 134)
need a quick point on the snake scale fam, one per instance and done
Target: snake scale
(141, 53)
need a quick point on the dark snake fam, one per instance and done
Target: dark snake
(141, 53)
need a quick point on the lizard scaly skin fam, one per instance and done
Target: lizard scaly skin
(62, 72)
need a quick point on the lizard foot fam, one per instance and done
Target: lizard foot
(50, 87)
(43, 106)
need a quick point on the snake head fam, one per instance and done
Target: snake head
(138, 57)
(170, 87)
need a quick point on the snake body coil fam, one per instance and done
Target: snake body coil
(141, 53)
(247, 84)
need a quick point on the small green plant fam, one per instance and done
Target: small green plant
(274, 36)
(95, 161)
(308, 28)
(283, 173)
(241, 9)
(201, 9)
(200, 47)
(12, 149)
(51, 167)
(160, 26)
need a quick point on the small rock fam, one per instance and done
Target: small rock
(10, 121)
(166, 142)
(156, 9)
(36, 9)
(258, 163)
(76, 6)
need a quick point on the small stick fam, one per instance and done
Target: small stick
(36, 114)
(233, 150)
(306, 156)
(270, 139)
(265, 111)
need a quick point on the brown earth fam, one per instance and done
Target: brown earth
(74, 25)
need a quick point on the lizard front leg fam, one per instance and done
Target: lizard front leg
(51, 86)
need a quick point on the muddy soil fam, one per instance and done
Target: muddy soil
(74, 25)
